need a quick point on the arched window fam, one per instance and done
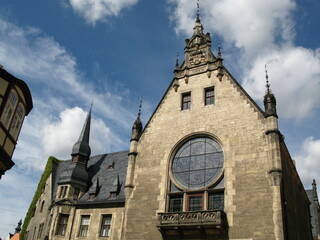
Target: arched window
(197, 176)
(42, 204)
(17, 121)
(9, 108)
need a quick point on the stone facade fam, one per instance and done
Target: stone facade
(256, 193)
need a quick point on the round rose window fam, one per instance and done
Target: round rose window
(198, 163)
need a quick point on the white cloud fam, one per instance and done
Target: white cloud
(294, 74)
(59, 136)
(248, 24)
(307, 161)
(54, 124)
(98, 10)
(258, 33)
(39, 60)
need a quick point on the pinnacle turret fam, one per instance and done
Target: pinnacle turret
(269, 99)
(137, 126)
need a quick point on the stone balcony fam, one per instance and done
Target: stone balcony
(198, 224)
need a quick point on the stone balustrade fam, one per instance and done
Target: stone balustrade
(213, 217)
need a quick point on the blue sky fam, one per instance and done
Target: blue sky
(111, 52)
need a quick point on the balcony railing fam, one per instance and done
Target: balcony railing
(198, 224)
(215, 217)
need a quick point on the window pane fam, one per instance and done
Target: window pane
(216, 201)
(176, 204)
(186, 101)
(195, 203)
(105, 226)
(84, 225)
(209, 96)
(62, 227)
(9, 109)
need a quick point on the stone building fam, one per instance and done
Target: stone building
(15, 104)
(209, 164)
(314, 210)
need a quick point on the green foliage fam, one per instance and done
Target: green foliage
(40, 188)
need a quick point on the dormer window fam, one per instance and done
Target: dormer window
(111, 166)
(63, 191)
(91, 196)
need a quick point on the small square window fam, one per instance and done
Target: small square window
(84, 225)
(63, 191)
(186, 101)
(209, 96)
(175, 204)
(105, 226)
(195, 202)
(216, 201)
(91, 196)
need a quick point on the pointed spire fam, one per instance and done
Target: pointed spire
(18, 228)
(137, 126)
(82, 147)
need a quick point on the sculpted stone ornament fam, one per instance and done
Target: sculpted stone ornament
(197, 58)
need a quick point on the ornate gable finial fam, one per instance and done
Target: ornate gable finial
(219, 49)
(269, 99)
(267, 81)
(137, 125)
(198, 11)
(140, 106)
(177, 61)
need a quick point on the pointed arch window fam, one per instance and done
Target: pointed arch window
(42, 204)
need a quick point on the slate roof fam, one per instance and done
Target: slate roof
(109, 170)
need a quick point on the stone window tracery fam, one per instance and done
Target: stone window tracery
(197, 176)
